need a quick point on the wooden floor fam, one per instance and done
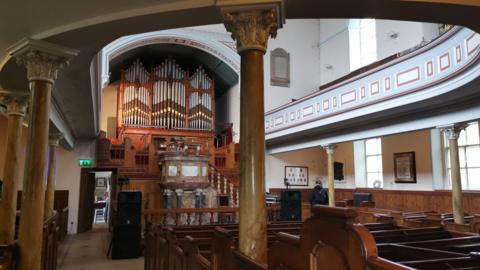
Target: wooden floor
(87, 251)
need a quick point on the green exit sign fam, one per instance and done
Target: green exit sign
(85, 162)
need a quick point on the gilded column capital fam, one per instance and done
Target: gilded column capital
(251, 28)
(17, 102)
(42, 60)
(54, 138)
(329, 148)
(452, 132)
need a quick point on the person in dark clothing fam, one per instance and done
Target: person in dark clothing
(319, 194)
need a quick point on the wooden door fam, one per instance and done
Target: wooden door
(86, 207)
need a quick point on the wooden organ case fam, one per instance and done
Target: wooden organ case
(165, 104)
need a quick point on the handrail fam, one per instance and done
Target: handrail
(371, 68)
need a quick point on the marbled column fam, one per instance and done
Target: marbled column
(167, 198)
(53, 141)
(16, 108)
(452, 133)
(251, 29)
(329, 148)
(179, 197)
(42, 61)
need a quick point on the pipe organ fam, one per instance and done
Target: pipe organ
(166, 97)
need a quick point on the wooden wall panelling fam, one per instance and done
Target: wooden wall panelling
(405, 200)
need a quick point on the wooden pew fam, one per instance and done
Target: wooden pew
(225, 255)
(8, 255)
(166, 247)
(331, 232)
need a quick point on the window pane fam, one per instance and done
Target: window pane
(474, 178)
(461, 153)
(462, 138)
(473, 156)
(449, 177)
(371, 147)
(472, 134)
(447, 158)
(372, 177)
(374, 164)
(463, 176)
(379, 163)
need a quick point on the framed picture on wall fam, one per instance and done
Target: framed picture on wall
(101, 182)
(296, 175)
(404, 166)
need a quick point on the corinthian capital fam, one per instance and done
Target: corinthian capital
(251, 28)
(54, 138)
(329, 148)
(452, 132)
(41, 59)
(17, 102)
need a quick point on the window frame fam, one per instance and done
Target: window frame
(378, 170)
(462, 150)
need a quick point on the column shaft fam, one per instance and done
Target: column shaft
(457, 196)
(50, 192)
(253, 223)
(331, 184)
(31, 219)
(8, 203)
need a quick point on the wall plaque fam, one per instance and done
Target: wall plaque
(296, 175)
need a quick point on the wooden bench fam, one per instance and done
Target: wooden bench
(173, 246)
(8, 255)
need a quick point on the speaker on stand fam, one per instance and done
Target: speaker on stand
(291, 205)
(127, 228)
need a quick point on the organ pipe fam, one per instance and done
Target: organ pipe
(165, 97)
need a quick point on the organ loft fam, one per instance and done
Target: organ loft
(164, 140)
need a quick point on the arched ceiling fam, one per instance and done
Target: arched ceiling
(89, 25)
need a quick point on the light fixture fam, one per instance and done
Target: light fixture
(393, 35)
(328, 66)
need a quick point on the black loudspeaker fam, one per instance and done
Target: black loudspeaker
(359, 197)
(129, 208)
(291, 205)
(127, 228)
(126, 242)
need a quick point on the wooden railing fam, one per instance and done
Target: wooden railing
(225, 185)
(200, 216)
(62, 223)
(50, 242)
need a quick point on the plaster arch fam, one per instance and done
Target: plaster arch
(219, 45)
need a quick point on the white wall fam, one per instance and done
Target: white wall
(68, 176)
(418, 142)
(228, 110)
(410, 34)
(300, 39)
(334, 49)
(316, 161)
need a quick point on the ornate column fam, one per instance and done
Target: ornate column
(329, 148)
(452, 133)
(251, 26)
(42, 61)
(53, 140)
(16, 108)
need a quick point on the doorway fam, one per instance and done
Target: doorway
(95, 202)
